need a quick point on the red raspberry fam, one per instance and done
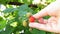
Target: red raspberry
(41, 20)
(31, 19)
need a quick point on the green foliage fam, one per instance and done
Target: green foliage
(14, 18)
(35, 31)
(2, 23)
(20, 1)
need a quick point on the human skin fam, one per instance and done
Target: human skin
(53, 24)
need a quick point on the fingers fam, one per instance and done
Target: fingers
(56, 33)
(40, 26)
(50, 10)
(46, 11)
(52, 20)
(46, 27)
(42, 13)
(45, 21)
(36, 25)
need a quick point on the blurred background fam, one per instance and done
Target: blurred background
(14, 16)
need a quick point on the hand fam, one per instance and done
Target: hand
(53, 23)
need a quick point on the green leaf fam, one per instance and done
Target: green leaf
(9, 10)
(2, 23)
(9, 30)
(49, 33)
(25, 1)
(35, 31)
(22, 13)
(23, 7)
(4, 1)
(51, 1)
(27, 32)
(46, 17)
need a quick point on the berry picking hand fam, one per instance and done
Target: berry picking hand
(53, 23)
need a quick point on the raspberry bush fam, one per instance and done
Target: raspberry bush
(16, 20)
